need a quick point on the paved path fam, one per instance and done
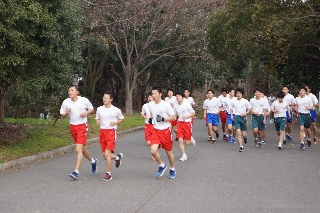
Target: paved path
(216, 178)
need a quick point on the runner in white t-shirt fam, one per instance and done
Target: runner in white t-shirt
(223, 113)
(108, 117)
(304, 104)
(230, 122)
(171, 99)
(162, 113)
(78, 108)
(184, 112)
(313, 114)
(279, 109)
(290, 99)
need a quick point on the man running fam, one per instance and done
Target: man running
(223, 114)
(290, 99)
(171, 99)
(313, 114)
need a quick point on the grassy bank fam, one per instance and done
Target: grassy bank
(41, 135)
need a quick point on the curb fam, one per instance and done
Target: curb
(56, 152)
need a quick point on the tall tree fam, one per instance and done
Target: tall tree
(39, 40)
(136, 28)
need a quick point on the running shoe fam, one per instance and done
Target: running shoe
(183, 158)
(172, 174)
(74, 175)
(241, 149)
(280, 146)
(255, 142)
(161, 170)
(193, 141)
(290, 139)
(225, 137)
(287, 138)
(259, 144)
(213, 141)
(284, 142)
(118, 162)
(263, 141)
(309, 143)
(217, 134)
(302, 145)
(230, 139)
(107, 177)
(94, 166)
(209, 139)
(245, 140)
(234, 140)
(315, 140)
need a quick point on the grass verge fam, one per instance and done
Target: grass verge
(46, 137)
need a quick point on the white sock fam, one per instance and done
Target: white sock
(77, 171)
(109, 173)
(93, 160)
(117, 158)
(302, 142)
(173, 169)
(161, 165)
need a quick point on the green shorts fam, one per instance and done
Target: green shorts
(257, 122)
(280, 123)
(240, 122)
(304, 120)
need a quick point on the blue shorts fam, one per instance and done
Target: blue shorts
(289, 120)
(313, 114)
(229, 120)
(213, 119)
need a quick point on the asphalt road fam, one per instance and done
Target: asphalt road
(216, 178)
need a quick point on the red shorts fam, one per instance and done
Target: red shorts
(148, 130)
(79, 133)
(108, 139)
(223, 117)
(184, 130)
(163, 138)
(174, 122)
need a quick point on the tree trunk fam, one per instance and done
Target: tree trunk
(128, 95)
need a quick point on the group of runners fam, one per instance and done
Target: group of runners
(176, 113)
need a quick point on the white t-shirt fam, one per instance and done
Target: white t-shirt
(77, 107)
(227, 103)
(172, 101)
(289, 98)
(314, 99)
(282, 107)
(146, 111)
(212, 106)
(222, 100)
(107, 115)
(259, 105)
(240, 106)
(302, 103)
(164, 110)
(184, 109)
(189, 101)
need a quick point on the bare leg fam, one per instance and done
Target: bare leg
(155, 153)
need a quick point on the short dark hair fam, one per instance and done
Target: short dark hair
(149, 93)
(303, 87)
(280, 94)
(286, 87)
(240, 90)
(180, 93)
(224, 89)
(210, 90)
(257, 89)
(170, 89)
(158, 89)
(109, 93)
(187, 90)
(308, 85)
(230, 89)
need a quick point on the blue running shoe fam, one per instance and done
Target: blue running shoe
(74, 175)
(234, 140)
(161, 170)
(230, 139)
(289, 137)
(94, 166)
(172, 174)
(309, 143)
(302, 146)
